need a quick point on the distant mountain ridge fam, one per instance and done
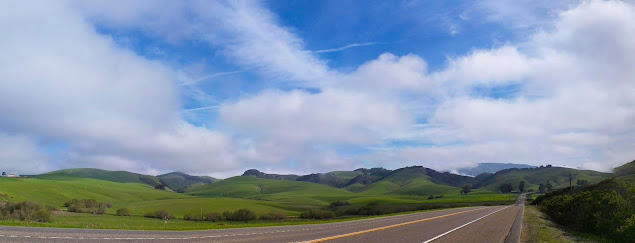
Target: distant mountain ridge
(491, 168)
(106, 175)
(177, 181)
(258, 174)
(413, 180)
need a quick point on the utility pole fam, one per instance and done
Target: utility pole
(570, 185)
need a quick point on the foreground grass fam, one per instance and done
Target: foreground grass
(537, 228)
(89, 221)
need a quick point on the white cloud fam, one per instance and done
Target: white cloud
(575, 104)
(63, 81)
(332, 116)
(23, 155)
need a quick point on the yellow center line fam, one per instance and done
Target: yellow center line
(389, 226)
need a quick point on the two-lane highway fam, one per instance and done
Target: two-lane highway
(474, 224)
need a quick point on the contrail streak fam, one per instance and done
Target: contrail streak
(346, 47)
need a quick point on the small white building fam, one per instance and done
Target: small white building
(13, 174)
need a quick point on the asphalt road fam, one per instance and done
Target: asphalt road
(474, 224)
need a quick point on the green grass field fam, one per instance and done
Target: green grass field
(56, 192)
(259, 195)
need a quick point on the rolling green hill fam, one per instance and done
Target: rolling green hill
(106, 175)
(626, 171)
(557, 176)
(337, 179)
(179, 181)
(407, 181)
(289, 192)
(58, 190)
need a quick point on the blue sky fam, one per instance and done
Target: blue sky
(216, 88)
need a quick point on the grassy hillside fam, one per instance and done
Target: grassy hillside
(179, 181)
(626, 171)
(56, 192)
(407, 181)
(557, 176)
(289, 192)
(106, 175)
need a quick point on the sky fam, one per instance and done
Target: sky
(215, 88)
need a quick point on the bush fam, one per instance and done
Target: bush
(159, 214)
(123, 212)
(193, 217)
(213, 216)
(87, 206)
(605, 209)
(244, 215)
(339, 204)
(273, 216)
(317, 214)
(228, 215)
(25, 211)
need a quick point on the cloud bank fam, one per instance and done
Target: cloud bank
(73, 96)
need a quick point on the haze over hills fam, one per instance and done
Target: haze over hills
(491, 168)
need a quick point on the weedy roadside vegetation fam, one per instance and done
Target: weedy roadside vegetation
(606, 209)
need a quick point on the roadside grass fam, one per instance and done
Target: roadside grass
(109, 221)
(538, 228)
(180, 207)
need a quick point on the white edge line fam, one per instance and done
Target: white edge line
(452, 230)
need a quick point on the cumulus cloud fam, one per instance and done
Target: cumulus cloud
(22, 154)
(575, 102)
(64, 81)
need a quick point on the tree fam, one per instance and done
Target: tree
(521, 186)
(541, 188)
(548, 186)
(160, 187)
(466, 188)
(4, 173)
(506, 188)
(582, 182)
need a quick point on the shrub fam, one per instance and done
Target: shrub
(193, 217)
(87, 206)
(273, 215)
(317, 214)
(228, 215)
(25, 211)
(159, 214)
(244, 215)
(123, 212)
(339, 204)
(605, 209)
(213, 216)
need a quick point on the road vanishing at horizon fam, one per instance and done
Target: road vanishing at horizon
(473, 224)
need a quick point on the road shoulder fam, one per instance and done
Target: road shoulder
(538, 228)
